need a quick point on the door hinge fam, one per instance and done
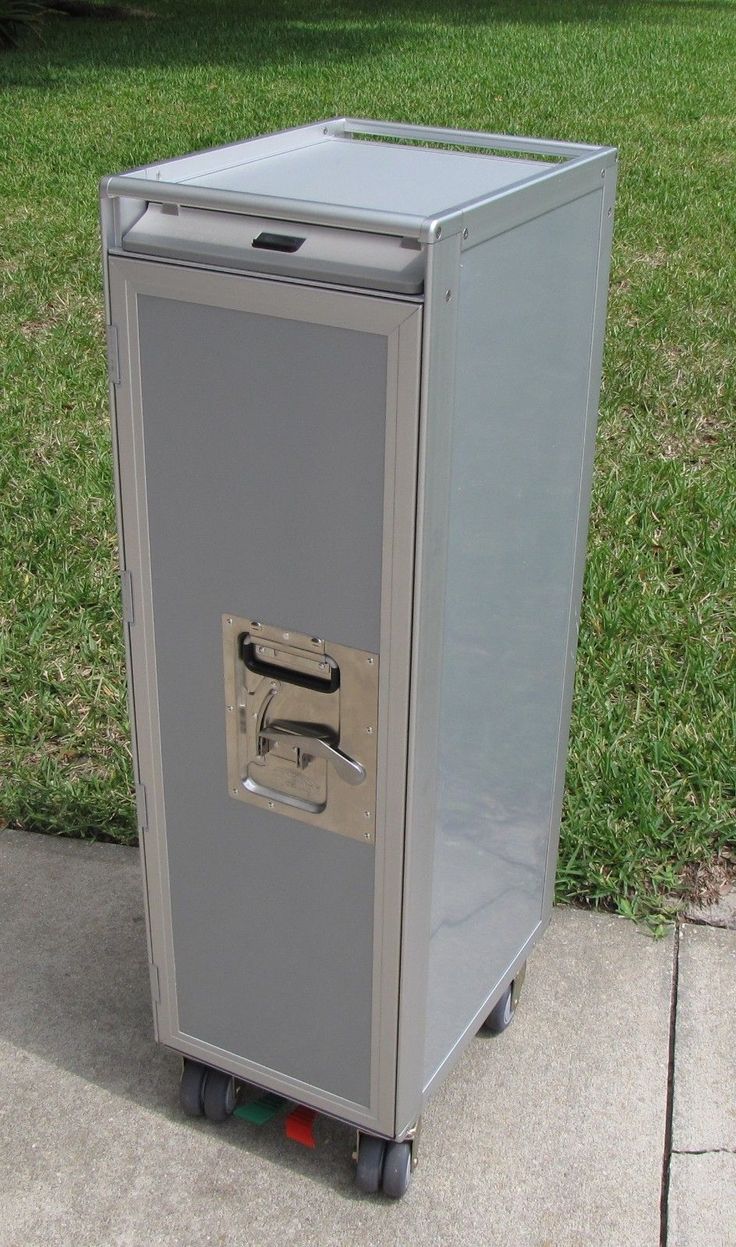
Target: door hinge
(142, 806)
(126, 593)
(155, 983)
(113, 354)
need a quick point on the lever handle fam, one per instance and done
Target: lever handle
(316, 745)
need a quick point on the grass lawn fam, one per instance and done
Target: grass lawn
(650, 778)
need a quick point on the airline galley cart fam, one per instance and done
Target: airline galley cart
(354, 379)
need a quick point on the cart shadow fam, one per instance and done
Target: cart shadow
(74, 985)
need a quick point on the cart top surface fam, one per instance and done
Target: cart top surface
(364, 174)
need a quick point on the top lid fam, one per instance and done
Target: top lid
(383, 177)
(340, 173)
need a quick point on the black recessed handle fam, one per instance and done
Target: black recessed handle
(278, 242)
(272, 671)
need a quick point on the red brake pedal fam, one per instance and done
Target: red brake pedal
(299, 1125)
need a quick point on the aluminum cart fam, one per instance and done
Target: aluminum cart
(354, 380)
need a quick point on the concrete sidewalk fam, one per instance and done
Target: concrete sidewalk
(556, 1134)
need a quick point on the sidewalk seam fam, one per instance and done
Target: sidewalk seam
(667, 1153)
(703, 1151)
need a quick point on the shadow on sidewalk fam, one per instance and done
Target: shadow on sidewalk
(74, 986)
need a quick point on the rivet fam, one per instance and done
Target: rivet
(438, 231)
(370, 662)
(231, 708)
(369, 730)
(465, 233)
(230, 619)
(323, 666)
(316, 640)
(270, 805)
(366, 835)
(603, 173)
(235, 792)
(286, 635)
(610, 210)
(448, 296)
(256, 624)
(366, 813)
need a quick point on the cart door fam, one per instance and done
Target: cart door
(266, 440)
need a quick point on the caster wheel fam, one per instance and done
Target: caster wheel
(371, 1152)
(396, 1169)
(502, 1013)
(218, 1098)
(191, 1088)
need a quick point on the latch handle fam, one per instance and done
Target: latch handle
(315, 745)
(273, 671)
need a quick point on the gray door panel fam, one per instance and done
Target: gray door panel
(263, 440)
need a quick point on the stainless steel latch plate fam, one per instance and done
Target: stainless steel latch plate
(301, 723)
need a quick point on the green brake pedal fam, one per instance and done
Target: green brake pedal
(260, 1110)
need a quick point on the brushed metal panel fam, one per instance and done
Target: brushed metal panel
(287, 771)
(525, 325)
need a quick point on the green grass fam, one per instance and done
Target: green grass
(650, 779)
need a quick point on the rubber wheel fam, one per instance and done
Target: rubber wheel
(371, 1152)
(396, 1169)
(218, 1099)
(502, 1013)
(191, 1087)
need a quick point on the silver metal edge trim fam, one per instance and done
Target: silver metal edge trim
(524, 200)
(469, 138)
(142, 686)
(438, 351)
(105, 226)
(395, 657)
(370, 219)
(581, 537)
(290, 279)
(361, 311)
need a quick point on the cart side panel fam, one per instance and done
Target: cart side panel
(518, 503)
